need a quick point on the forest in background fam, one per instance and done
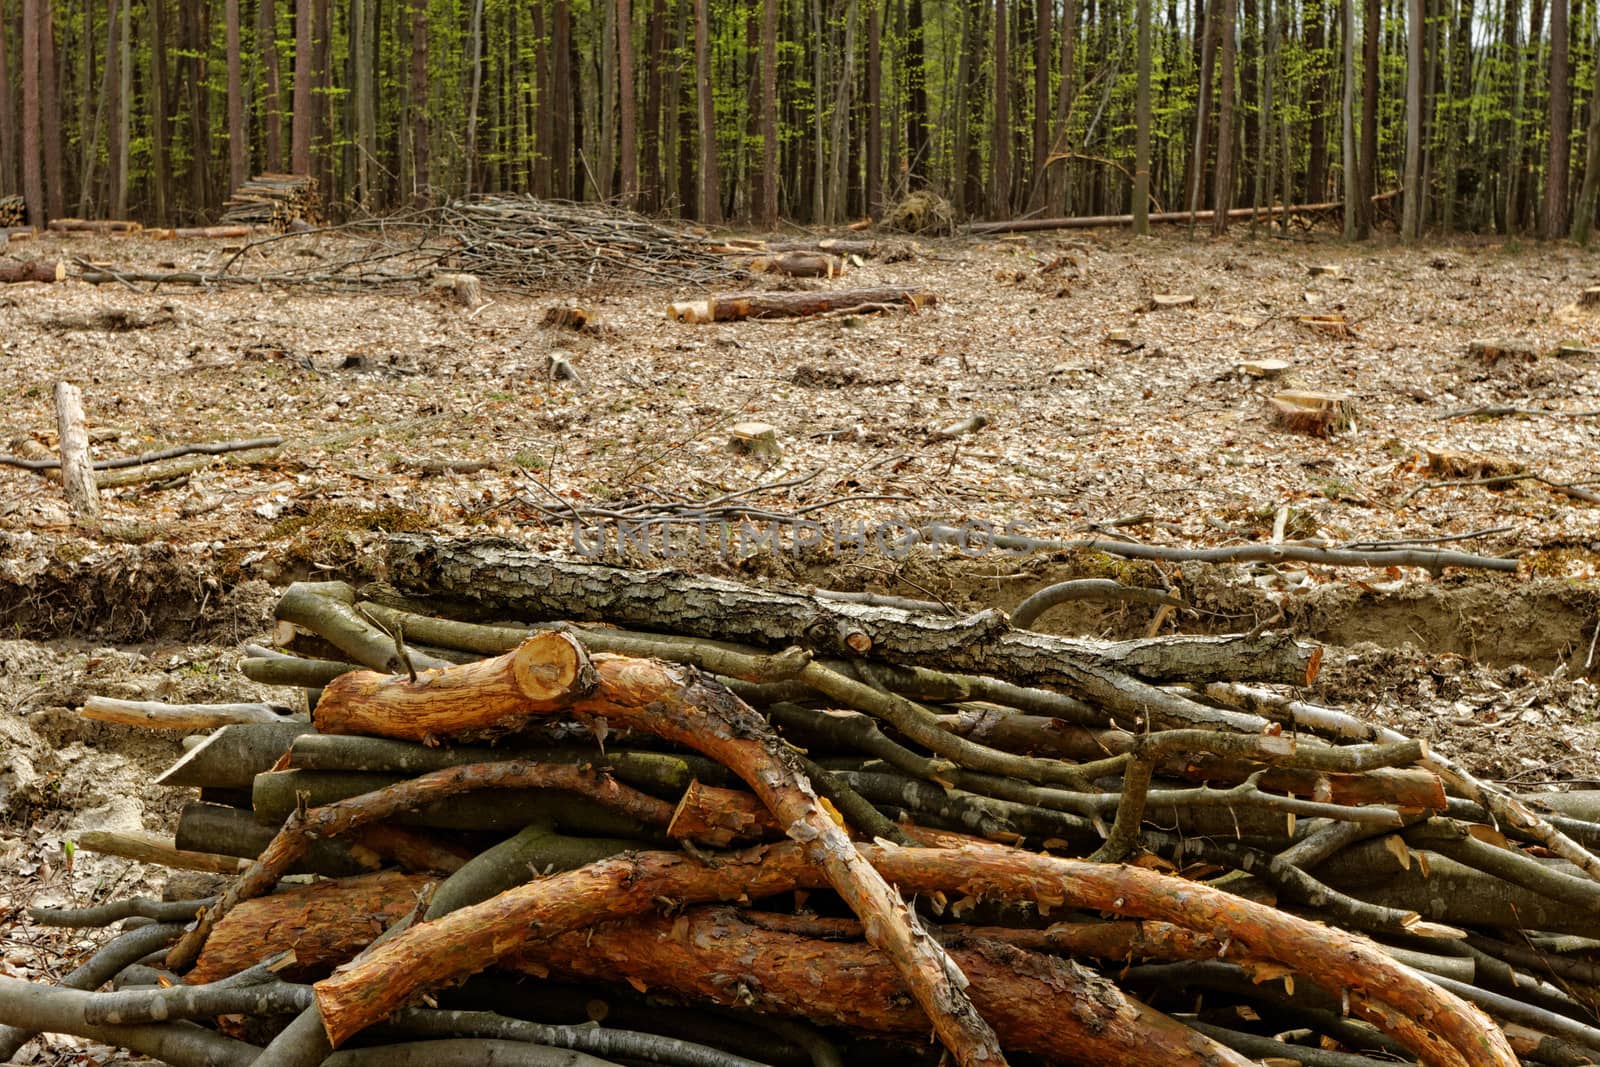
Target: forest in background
(1486, 111)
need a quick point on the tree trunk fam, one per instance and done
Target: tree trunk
(1583, 219)
(628, 119)
(1224, 182)
(737, 306)
(1372, 31)
(1059, 185)
(710, 180)
(473, 178)
(238, 151)
(1043, 49)
(304, 57)
(1411, 217)
(768, 213)
(874, 165)
(561, 98)
(10, 182)
(272, 106)
(652, 183)
(839, 135)
(1347, 118)
(917, 161)
(1000, 139)
(421, 179)
(55, 189)
(1202, 119)
(1559, 120)
(604, 123)
(1316, 31)
(1516, 78)
(1141, 129)
(117, 109)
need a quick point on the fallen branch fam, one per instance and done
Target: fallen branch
(782, 305)
(144, 458)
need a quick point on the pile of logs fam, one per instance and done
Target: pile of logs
(13, 211)
(276, 201)
(546, 795)
(542, 244)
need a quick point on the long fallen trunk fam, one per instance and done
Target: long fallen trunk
(518, 582)
(1086, 222)
(1437, 1026)
(790, 305)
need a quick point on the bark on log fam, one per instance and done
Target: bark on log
(326, 608)
(77, 471)
(537, 587)
(734, 307)
(231, 757)
(324, 924)
(1046, 1006)
(1435, 1025)
(798, 265)
(227, 831)
(37, 270)
(683, 707)
(162, 716)
(719, 817)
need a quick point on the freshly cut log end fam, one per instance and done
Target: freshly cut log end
(493, 696)
(1171, 300)
(37, 270)
(1319, 414)
(1590, 297)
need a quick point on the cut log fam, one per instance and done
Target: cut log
(1086, 222)
(34, 270)
(521, 584)
(464, 289)
(149, 847)
(719, 817)
(1171, 300)
(756, 439)
(279, 201)
(716, 955)
(77, 470)
(324, 924)
(231, 757)
(737, 306)
(798, 265)
(153, 713)
(121, 227)
(1492, 350)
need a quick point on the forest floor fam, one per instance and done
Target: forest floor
(1101, 410)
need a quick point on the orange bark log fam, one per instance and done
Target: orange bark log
(325, 924)
(1438, 1026)
(681, 705)
(715, 816)
(1043, 1005)
(736, 306)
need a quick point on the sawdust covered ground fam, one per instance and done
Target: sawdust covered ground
(1098, 406)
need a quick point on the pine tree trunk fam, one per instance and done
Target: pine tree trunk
(421, 179)
(472, 177)
(272, 106)
(1000, 141)
(1043, 47)
(1316, 100)
(561, 98)
(32, 169)
(1202, 121)
(605, 130)
(874, 166)
(55, 186)
(769, 114)
(300, 122)
(710, 180)
(627, 116)
(917, 160)
(238, 157)
(1372, 29)
(652, 182)
(1347, 118)
(1141, 129)
(1516, 77)
(1559, 118)
(1583, 218)
(1411, 212)
(9, 182)
(1224, 180)
(1059, 186)
(116, 108)
(839, 135)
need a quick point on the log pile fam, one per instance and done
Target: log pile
(13, 211)
(276, 201)
(543, 244)
(833, 825)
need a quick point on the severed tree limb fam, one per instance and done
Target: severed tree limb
(540, 587)
(1501, 804)
(344, 816)
(154, 713)
(682, 706)
(1051, 596)
(148, 847)
(143, 458)
(1434, 1025)
(716, 954)
(56, 1010)
(117, 910)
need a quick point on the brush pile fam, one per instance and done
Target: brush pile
(545, 244)
(276, 201)
(829, 824)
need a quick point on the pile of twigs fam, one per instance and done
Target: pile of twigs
(519, 240)
(780, 805)
(276, 201)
